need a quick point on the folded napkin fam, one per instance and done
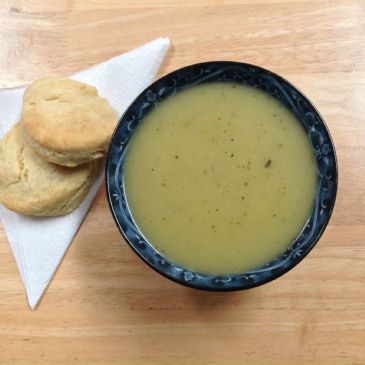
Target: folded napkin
(38, 244)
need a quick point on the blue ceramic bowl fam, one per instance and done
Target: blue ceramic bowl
(245, 74)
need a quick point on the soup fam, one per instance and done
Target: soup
(220, 178)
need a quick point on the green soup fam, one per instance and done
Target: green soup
(220, 178)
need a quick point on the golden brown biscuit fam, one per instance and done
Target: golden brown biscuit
(32, 186)
(66, 121)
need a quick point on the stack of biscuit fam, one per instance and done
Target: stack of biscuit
(48, 160)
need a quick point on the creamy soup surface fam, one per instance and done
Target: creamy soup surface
(220, 178)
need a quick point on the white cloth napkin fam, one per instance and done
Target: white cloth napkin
(38, 244)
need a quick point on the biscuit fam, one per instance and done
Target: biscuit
(66, 121)
(32, 186)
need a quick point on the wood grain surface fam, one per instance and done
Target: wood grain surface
(104, 305)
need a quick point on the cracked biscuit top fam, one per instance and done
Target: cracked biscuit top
(66, 121)
(32, 186)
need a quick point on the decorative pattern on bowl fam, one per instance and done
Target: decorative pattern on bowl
(270, 83)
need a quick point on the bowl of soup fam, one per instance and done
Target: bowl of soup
(221, 176)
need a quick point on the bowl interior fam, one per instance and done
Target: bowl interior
(245, 74)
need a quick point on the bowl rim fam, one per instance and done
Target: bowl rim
(223, 288)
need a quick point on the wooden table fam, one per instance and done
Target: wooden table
(104, 305)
